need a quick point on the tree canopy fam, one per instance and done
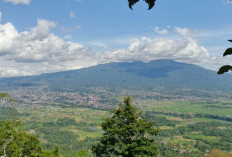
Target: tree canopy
(150, 3)
(127, 134)
(14, 141)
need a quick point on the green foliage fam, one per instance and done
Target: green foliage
(2, 95)
(5, 111)
(160, 120)
(82, 153)
(218, 153)
(66, 122)
(56, 151)
(127, 134)
(193, 126)
(150, 3)
(226, 68)
(7, 96)
(208, 135)
(14, 141)
(64, 137)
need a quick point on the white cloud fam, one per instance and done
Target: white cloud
(35, 51)
(39, 51)
(15, 2)
(184, 31)
(146, 49)
(160, 31)
(72, 14)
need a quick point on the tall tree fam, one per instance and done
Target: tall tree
(127, 134)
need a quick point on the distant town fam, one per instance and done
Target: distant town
(99, 98)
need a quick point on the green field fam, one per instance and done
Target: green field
(187, 128)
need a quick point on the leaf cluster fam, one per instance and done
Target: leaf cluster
(150, 3)
(14, 141)
(226, 68)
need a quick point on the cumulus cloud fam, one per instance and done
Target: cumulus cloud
(15, 2)
(184, 31)
(35, 51)
(146, 49)
(160, 31)
(39, 51)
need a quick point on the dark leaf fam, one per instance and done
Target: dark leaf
(150, 3)
(132, 2)
(230, 40)
(228, 52)
(224, 69)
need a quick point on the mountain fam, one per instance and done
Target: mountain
(165, 74)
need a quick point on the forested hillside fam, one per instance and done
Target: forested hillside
(169, 75)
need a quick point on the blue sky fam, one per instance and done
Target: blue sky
(40, 36)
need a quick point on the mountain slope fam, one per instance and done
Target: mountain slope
(136, 75)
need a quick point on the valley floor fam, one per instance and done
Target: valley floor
(188, 127)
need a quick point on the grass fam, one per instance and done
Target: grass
(190, 107)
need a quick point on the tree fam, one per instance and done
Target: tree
(127, 134)
(15, 142)
(150, 3)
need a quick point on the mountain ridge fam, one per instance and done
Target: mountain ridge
(168, 74)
